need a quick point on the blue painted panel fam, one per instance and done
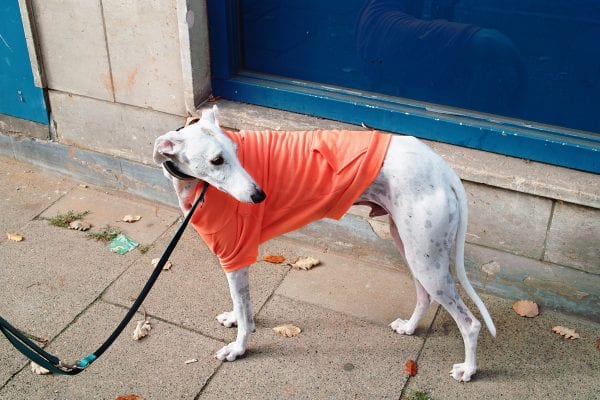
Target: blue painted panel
(20, 97)
(334, 94)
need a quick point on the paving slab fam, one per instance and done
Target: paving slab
(366, 291)
(153, 367)
(51, 277)
(334, 357)
(194, 291)
(25, 192)
(107, 207)
(525, 361)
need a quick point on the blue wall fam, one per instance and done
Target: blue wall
(18, 95)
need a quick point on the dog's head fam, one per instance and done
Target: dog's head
(203, 151)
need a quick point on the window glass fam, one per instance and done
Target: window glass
(536, 60)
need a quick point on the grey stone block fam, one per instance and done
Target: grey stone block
(21, 127)
(509, 221)
(109, 128)
(574, 237)
(73, 47)
(517, 277)
(145, 58)
(351, 236)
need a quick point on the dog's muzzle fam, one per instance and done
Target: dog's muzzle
(258, 196)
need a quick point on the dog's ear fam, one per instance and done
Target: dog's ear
(165, 147)
(211, 116)
(215, 111)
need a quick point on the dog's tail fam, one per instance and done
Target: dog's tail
(461, 235)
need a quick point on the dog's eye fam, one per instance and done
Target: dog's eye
(218, 160)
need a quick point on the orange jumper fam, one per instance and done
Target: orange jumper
(306, 176)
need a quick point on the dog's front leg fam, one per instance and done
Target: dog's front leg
(242, 310)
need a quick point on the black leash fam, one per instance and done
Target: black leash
(55, 365)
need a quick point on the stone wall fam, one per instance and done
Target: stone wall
(119, 73)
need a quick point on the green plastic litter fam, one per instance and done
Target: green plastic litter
(122, 244)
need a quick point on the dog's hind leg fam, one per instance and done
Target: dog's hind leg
(407, 327)
(240, 294)
(445, 293)
(429, 261)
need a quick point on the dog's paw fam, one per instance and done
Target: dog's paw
(403, 327)
(230, 352)
(227, 319)
(462, 372)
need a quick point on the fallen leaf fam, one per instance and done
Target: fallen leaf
(83, 185)
(526, 308)
(142, 329)
(191, 361)
(166, 267)
(15, 237)
(287, 330)
(598, 344)
(410, 367)
(80, 225)
(38, 369)
(566, 332)
(131, 218)
(130, 397)
(305, 263)
(274, 259)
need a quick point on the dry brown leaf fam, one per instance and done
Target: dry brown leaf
(131, 218)
(166, 267)
(598, 344)
(142, 329)
(566, 332)
(526, 308)
(287, 330)
(15, 237)
(38, 369)
(130, 397)
(410, 367)
(305, 263)
(80, 225)
(274, 259)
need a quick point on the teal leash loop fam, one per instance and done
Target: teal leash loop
(38, 355)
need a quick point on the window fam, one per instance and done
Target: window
(517, 77)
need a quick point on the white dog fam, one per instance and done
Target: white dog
(423, 196)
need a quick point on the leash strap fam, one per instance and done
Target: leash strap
(35, 353)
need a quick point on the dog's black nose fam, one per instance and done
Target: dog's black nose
(258, 196)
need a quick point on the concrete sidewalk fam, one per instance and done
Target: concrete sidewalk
(61, 286)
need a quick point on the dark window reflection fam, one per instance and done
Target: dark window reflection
(531, 59)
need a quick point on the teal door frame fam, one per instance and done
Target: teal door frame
(19, 96)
